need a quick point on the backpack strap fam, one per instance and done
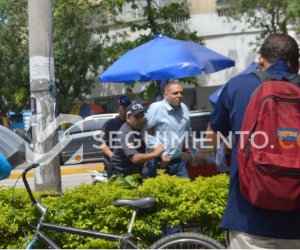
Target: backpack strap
(293, 78)
(264, 76)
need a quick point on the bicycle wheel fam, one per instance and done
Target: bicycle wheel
(186, 240)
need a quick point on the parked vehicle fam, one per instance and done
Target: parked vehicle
(91, 117)
(199, 120)
(84, 137)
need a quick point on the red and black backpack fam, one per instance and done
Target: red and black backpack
(268, 154)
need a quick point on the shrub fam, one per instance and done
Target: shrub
(91, 207)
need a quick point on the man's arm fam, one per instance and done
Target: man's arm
(219, 119)
(142, 158)
(106, 150)
(105, 136)
(192, 145)
(150, 122)
(191, 140)
(211, 137)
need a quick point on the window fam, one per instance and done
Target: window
(222, 7)
(178, 18)
(75, 130)
(222, 11)
(16, 118)
(88, 126)
(199, 123)
(100, 122)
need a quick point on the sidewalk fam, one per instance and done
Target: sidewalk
(65, 170)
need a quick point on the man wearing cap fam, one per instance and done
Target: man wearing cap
(129, 149)
(112, 126)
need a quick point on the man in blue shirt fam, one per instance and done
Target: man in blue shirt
(129, 149)
(170, 121)
(249, 226)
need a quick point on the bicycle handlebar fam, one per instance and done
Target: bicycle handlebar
(26, 183)
(34, 165)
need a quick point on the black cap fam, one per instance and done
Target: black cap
(123, 101)
(135, 108)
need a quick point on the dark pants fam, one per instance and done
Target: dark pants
(108, 167)
(175, 167)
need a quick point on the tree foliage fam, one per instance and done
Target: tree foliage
(76, 51)
(14, 59)
(81, 44)
(91, 207)
(169, 18)
(273, 16)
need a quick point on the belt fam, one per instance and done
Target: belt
(175, 160)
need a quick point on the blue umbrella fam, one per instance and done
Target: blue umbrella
(165, 58)
(213, 98)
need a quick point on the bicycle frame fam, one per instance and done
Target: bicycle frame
(57, 228)
(124, 240)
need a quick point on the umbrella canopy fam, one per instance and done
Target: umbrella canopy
(12, 147)
(86, 109)
(213, 98)
(165, 58)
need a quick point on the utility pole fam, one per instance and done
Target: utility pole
(42, 88)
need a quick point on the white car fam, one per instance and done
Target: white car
(81, 139)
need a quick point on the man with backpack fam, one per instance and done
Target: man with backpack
(262, 110)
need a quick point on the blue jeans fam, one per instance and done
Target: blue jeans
(175, 167)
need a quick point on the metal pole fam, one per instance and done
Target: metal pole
(42, 79)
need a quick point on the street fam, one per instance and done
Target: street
(71, 175)
(68, 181)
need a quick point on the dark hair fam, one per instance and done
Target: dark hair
(281, 47)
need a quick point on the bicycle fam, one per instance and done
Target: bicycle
(181, 240)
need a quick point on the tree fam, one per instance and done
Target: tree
(273, 16)
(164, 19)
(77, 36)
(14, 59)
(77, 47)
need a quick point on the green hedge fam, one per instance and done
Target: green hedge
(91, 207)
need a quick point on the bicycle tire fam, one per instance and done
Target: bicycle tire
(186, 240)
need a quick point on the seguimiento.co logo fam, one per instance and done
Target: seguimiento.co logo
(45, 157)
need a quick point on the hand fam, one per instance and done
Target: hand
(195, 162)
(159, 150)
(165, 161)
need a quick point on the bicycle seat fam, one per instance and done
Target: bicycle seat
(142, 203)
